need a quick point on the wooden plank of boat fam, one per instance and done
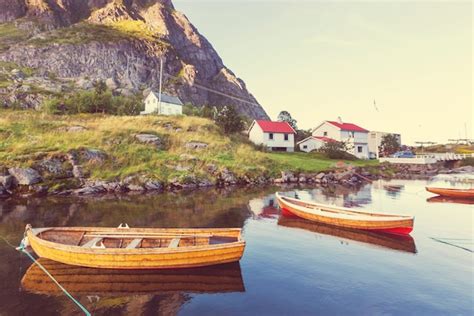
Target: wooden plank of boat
(346, 217)
(109, 282)
(196, 248)
(452, 193)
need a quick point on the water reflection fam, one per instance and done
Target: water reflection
(390, 241)
(91, 281)
(443, 199)
(283, 257)
(130, 292)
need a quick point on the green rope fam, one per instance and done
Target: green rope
(22, 249)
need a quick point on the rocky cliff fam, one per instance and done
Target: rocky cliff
(55, 46)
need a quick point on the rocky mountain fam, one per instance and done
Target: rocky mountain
(55, 46)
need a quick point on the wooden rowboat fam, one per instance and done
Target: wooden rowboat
(346, 217)
(404, 243)
(220, 278)
(136, 248)
(452, 193)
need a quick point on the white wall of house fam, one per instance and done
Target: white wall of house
(328, 130)
(310, 144)
(256, 134)
(360, 150)
(152, 105)
(357, 141)
(375, 140)
(278, 140)
(259, 137)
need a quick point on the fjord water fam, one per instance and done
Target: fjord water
(290, 266)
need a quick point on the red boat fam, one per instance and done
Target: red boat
(452, 193)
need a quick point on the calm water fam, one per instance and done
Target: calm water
(290, 267)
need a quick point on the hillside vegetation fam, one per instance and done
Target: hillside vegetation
(29, 136)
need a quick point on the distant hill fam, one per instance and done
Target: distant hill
(56, 46)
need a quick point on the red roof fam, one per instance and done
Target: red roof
(275, 127)
(325, 139)
(348, 127)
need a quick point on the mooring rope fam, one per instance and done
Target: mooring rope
(451, 244)
(21, 248)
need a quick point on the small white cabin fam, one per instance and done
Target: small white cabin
(313, 143)
(170, 105)
(277, 136)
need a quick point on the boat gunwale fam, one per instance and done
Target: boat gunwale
(450, 189)
(466, 193)
(372, 216)
(135, 251)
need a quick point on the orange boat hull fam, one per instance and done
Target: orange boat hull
(401, 226)
(453, 193)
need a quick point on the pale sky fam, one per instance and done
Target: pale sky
(324, 59)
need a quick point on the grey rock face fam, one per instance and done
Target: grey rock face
(25, 176)
(76, 129)
(78, 172)
(4, 193)
(90, 189)
(196, 145)
(152, 185)
(131, 64)
(149, 139)
(54, 168)
(6, 182)
(92, 155)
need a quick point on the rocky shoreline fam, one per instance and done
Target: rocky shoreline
(74, 181)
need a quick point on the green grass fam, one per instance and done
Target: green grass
(310, 162)
(24, 135)
(9, 35)
(82, 33)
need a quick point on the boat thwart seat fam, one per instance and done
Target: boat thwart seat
(174, 243)
(93, 242)
(134, 243)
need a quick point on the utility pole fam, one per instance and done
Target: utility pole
(161, 84)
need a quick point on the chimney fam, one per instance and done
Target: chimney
(339, 119)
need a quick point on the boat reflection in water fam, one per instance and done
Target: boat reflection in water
(404, 243)
(444, 199)
(133, 291)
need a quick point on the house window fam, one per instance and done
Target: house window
(351, 134)
(270, 136)
(325, 134)
(305, 146)
(286, 136)
(359, 149)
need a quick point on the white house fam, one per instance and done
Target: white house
(353, 135)
(313, 143)
(278, 136)
(170, 105)
(375, 140)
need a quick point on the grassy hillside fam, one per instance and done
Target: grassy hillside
(27, 135)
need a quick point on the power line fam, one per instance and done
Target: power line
(216, 91)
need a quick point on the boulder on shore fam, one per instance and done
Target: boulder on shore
(149, 139)
(25, 176)
(196, 145)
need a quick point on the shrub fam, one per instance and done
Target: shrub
(99, 101)
(337, 150)
(229, 120)
(206, 111)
